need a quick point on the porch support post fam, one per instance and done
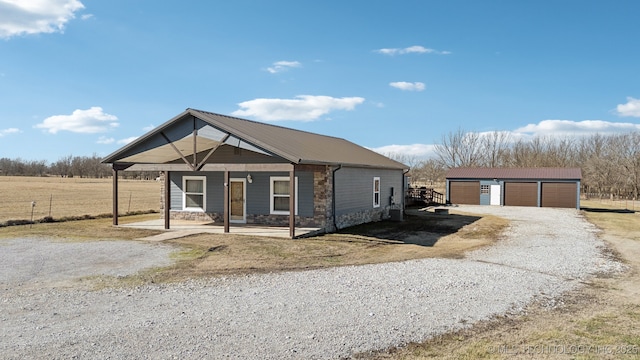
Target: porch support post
(292, 201)
(226, 202)
(167, 199)
(115, 195)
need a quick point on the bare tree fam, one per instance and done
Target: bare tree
(495, 148)
(407, 159)
(628, 146)
(430, 171)
(62, 167)
(459, 149)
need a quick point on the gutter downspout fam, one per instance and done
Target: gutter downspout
(404, 191)
(333, 195)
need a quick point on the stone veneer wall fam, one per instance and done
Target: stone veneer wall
(195, 216)
(361, 217)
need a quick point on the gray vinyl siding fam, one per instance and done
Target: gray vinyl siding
(176, 190)
(354, 188)
(214, 191)
(257, 200)
(226, 154)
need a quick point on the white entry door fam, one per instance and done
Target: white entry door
(495, 195)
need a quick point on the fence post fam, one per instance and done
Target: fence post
(33, 206)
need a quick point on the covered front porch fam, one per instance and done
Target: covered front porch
(211, 152)
(181, 228)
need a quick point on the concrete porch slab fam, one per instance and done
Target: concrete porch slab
(181, 228)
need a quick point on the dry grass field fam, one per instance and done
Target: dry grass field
(63, 197)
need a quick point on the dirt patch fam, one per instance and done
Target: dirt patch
(420, 235)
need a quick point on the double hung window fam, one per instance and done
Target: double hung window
(279, 195)
(194, 190)
(376, 192)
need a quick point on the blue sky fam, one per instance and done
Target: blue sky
(79, 77)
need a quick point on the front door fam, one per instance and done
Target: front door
(237, 204)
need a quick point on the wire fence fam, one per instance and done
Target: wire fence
(33, 199)
(610, 202)
(38, 207)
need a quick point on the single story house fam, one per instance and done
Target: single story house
(231, 170)
(541, 187)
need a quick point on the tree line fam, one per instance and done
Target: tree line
(67, 166)
(610, 163)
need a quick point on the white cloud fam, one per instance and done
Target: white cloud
(105, 140)
(86, 16)
(280, 66)
(89, 121)
(570, 127)
(545, 128)
(302, 108)
(8, 131)
(127, 140)
(423, 151)
(149, 127)
(408, 86)
(631, 108)
(18, 17)
(416, 49)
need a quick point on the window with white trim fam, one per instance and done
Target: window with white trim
(376, 192)
(194, 193)
(279, 195)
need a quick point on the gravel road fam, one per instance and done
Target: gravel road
(319, 314)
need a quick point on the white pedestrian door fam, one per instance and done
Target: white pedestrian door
(495, 195)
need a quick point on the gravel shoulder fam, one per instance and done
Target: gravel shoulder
(37, 263)
(319, 314)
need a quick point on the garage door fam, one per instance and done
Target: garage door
(561, 195)
(521, 194)
(465, 192)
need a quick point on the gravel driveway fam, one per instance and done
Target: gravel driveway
(319, 314)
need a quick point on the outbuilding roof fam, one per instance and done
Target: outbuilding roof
(295, 146)
(515, 173)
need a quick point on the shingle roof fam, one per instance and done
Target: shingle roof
(515, 173)
(296, 146)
